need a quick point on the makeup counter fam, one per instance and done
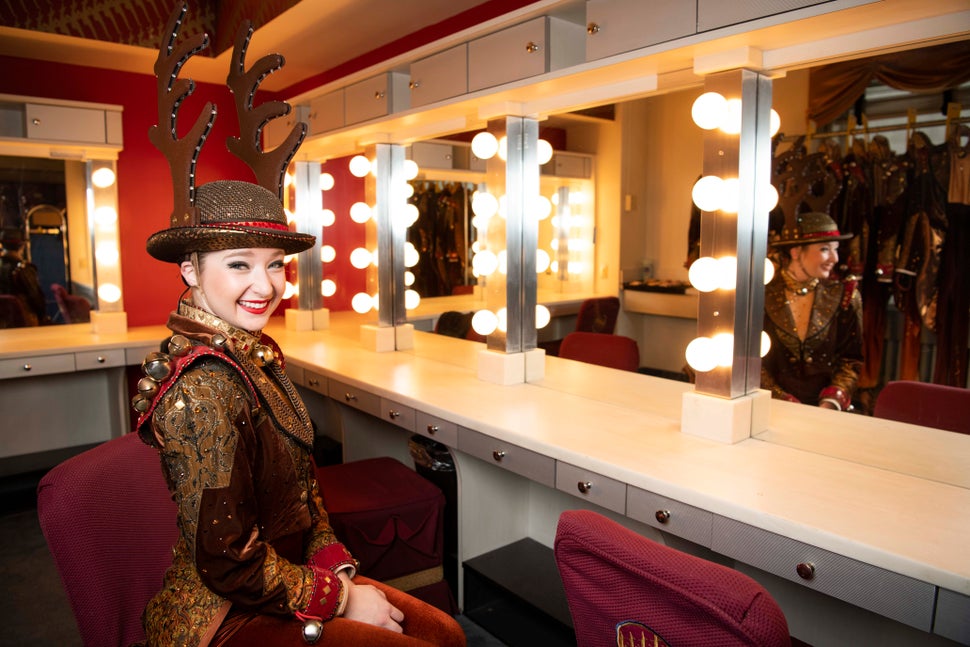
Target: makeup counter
(874, 514)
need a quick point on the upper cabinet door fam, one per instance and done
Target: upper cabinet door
(441, 76)
(712, 14)
(376, 97)
(617, 26)
(65, 123)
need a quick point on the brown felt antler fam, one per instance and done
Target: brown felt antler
(182, 153)
(269, 166)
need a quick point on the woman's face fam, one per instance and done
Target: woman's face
(240, 286)
(814, 261)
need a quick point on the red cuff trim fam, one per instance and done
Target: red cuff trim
(332, 557)
(326, 597)
(837, 394)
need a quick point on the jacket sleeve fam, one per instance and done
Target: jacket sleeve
(845, 376)
(210, 450)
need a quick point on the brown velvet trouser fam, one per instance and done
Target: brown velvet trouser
(423, 625)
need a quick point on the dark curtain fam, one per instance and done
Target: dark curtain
(834, 88)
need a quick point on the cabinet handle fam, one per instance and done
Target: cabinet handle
(414, 85)
(378, 95)
(101, 360)
(806, 570)
(432, 429)
(531, 48)
(663, 516)
(498, 455)
(393, 414)
(35, 121)
(27, 367)
(584, 487)
(592, 28)
(313, 382)
(349, 397)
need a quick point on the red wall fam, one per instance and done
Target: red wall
(151, 288)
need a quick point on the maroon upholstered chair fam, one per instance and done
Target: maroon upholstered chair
(614, 351)
(623, 587)
(11, 312)
(926, 404)
(597, 314)
(109, 522)
(73, 309)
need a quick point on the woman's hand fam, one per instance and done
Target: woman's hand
(366, 603)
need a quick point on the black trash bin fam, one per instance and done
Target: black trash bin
(433, 461)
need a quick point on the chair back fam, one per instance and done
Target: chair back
(73, 309)
(614, 351)
(621, 586)
(11, 312)
(598, 315)
(110, 525)
(923, 403)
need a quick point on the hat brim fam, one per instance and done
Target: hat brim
(173, 245)
(809, 241)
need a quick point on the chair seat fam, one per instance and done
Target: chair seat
(389, 517)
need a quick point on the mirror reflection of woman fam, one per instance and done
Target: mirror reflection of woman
(814, 320)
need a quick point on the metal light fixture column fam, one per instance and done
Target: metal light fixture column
(727, 403)
(101, 178)
(307, 208)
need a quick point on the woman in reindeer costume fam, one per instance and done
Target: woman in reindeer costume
(256, 562)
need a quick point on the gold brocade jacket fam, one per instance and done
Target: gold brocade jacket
(829, 359)
(235, 444)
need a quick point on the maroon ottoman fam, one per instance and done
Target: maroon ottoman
(392, 521)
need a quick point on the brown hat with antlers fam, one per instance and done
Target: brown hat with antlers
(226, 214)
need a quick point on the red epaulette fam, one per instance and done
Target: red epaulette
(179, 365)
(849, 288)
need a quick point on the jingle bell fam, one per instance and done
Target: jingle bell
(263, 355)
(157, 366)
(147, 387)
(179, 345)
(312, 630)
(140, 403)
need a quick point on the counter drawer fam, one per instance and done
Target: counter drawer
(953, 616)
(670, 515)
(616, 26)
(523, 462)
(354, 396)
(435, 428)
(316, 382)
(397, 414)
(590, 486)
(39, 365)
(90, 360)
(889, 594)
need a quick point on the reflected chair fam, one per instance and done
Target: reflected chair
(613, 351)
(926, 404)
(624, 589)
(110, 525)
(457, 324)
(73, 309)
(597, 314)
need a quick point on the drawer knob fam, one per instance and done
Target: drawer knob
(27, 367)
(805, 570)
(349, 397)
(393, 414)
(663, 516)
(313, 382)
(35, 121)
(432, 429)
(498, 455)
(414, 85)
(531, 47)
(101, 360)
(378, 95)
(592, 28)
(584, 487)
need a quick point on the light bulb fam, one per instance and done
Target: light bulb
(543, 316)
(484, 322)
(290, 290)
(327, 218)
(542, 207)
(484, 145)
(362, 303)
(730, 195)
(727, 272)
(109, 292)
(328, 287)
(328, 254)
(707, 193)
(503, 261)
(106, 254)
(542, 261)
(724, 349)
(769, 271)
(408, 278)
(411, 214)
(360, 212)
(326, 181)
(544, 153)
(411, 299)
(410, 169)
(485, 262)
(700, 355)
(774, 123)
(105, 217)
(765, 343)
(484, 204)
(103, 177)
(411, 255)
(703, 274)
(503, 319)
(359, 166)
(769, 196)
(360, 258)
(707, 110)
(503, 148)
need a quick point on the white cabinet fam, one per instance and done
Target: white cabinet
(531, 48)
(327, 112)
(617, 26)
(277, 130)
(712, 14)
(376, 97)
(433, 156)
(569, 165)
(441, 76)
(68, 123)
